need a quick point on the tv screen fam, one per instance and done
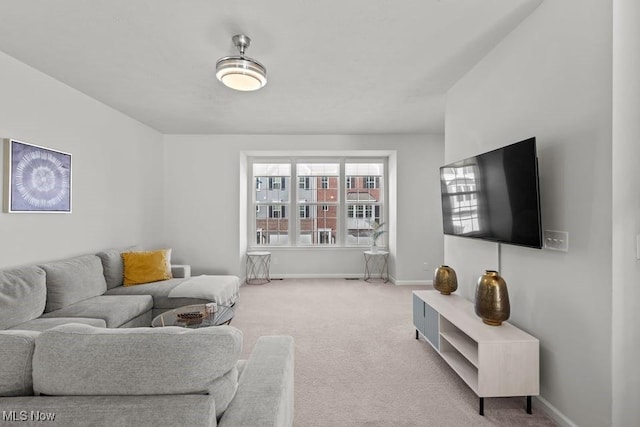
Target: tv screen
(494, 196)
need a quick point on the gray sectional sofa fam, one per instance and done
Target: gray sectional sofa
(75, 345)
(86, 289)
(80, 375)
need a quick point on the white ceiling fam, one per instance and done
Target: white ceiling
(334, 66)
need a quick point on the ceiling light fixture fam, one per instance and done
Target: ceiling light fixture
(241, 72)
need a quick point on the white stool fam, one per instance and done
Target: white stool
(376, 262)
(258, 264)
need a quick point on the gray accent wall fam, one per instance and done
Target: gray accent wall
(551, 78)
(117, 170)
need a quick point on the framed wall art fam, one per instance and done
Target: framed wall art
(37, 179)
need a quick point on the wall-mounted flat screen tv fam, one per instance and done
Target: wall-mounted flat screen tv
(494, 196)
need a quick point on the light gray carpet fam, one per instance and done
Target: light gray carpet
(358, 362)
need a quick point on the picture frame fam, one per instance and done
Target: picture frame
(37, 179)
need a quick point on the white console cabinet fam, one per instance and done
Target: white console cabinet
(495, 361)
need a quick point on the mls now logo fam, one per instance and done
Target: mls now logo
(27, 416)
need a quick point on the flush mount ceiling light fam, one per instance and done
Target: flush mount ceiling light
(241, 72)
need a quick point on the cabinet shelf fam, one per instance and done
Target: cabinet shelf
(465, 345)
(463, 368)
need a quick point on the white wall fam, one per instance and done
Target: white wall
(117, 170)
(551, 78)
(626, 213)
(204, 190)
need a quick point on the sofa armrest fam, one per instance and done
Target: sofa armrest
(181, 271)
(265, 388)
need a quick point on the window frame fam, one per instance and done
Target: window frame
(341, 205)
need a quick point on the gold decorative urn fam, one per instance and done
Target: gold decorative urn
(445, 280)
(492, 299)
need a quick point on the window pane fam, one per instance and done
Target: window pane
(364, 169)
(320, 227)
(272, 225)
(365, 190)
(271, 189)
(323, 182)
(271, 169)
(318, 169)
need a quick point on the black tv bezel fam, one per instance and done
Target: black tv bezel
(539, 210)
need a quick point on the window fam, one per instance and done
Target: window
(328, 212)
(276, 183)
(304, 211)
(351, 183)
(371, 182)
(272, 193)
(364, 201)
(324, 189)
(276, 211)
(304, 182)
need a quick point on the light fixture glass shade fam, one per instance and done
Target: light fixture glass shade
(241, 73)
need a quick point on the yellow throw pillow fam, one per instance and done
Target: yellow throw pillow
(146, 266)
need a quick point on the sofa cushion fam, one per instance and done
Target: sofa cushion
(146, 266)
(160, 293)
(115, 310)
(73, 280)
(23, 295)
(113, 266)
(42, 324)
(139, 361)
(16, 353)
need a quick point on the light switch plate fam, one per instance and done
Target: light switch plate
(556, 240)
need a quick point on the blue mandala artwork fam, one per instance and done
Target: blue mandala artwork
(40, 179)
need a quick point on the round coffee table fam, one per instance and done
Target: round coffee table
(194, 316)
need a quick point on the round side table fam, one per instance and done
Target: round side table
(258, 264)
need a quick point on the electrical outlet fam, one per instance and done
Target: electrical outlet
(556, 240)
(274, 260)
(425, 266)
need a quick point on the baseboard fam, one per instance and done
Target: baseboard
(413, 282)
(317, 276)
(349, 276)
(554, 413)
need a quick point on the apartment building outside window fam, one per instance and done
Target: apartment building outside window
(337, 201)
(272, 202)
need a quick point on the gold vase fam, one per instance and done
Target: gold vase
(492, 299)
(445, 280)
